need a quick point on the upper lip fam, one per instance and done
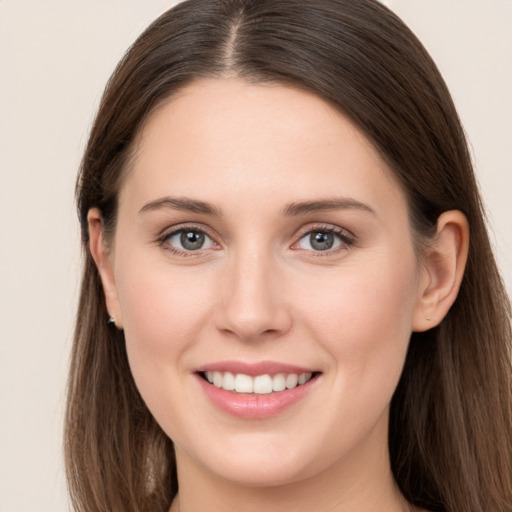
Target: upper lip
(253, 369)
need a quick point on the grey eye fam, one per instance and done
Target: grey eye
(320, 241)
(190, 240)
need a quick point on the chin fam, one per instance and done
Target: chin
(255, 474)
(265, 461)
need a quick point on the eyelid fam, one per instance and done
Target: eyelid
(323, 226)
(193, 226)
(347, 237)
(173, 230)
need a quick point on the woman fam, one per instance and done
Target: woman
(289, 300)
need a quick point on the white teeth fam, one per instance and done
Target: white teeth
(243, 383)
(304, 377)
(279, 382)
(292, 380)
(229, 381)
(217, 379)
(261, 384)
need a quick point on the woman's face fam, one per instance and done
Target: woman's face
(261, 237)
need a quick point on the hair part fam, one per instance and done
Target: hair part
(451, 417)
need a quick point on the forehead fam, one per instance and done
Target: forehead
(229, 139)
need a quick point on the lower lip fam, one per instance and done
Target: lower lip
(253, 405)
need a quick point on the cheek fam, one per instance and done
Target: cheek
(163, 315)
(363, 318)
(153, 312)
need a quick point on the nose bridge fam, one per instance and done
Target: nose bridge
(252, 305)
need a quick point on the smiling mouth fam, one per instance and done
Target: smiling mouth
(258, 384)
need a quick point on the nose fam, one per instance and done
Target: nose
(252, 305)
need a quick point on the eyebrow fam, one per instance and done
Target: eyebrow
(342, 203)
(181, 204)
(293, 209)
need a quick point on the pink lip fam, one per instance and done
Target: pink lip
(253, 369)
(251, 405)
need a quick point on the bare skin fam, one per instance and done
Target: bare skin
(303, 255)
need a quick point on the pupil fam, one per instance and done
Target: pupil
(321, 241)
(192, 240)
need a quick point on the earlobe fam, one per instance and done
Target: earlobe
(101, 254)
(443, 268)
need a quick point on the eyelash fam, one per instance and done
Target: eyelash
(181, 229)
(346, 238)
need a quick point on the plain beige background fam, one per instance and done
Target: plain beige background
(55, 57)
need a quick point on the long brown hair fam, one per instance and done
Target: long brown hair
(451, 415)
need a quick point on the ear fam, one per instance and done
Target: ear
(102, 256)
(443, 267)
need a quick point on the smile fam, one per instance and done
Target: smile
(259, 384)
(258, 390)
